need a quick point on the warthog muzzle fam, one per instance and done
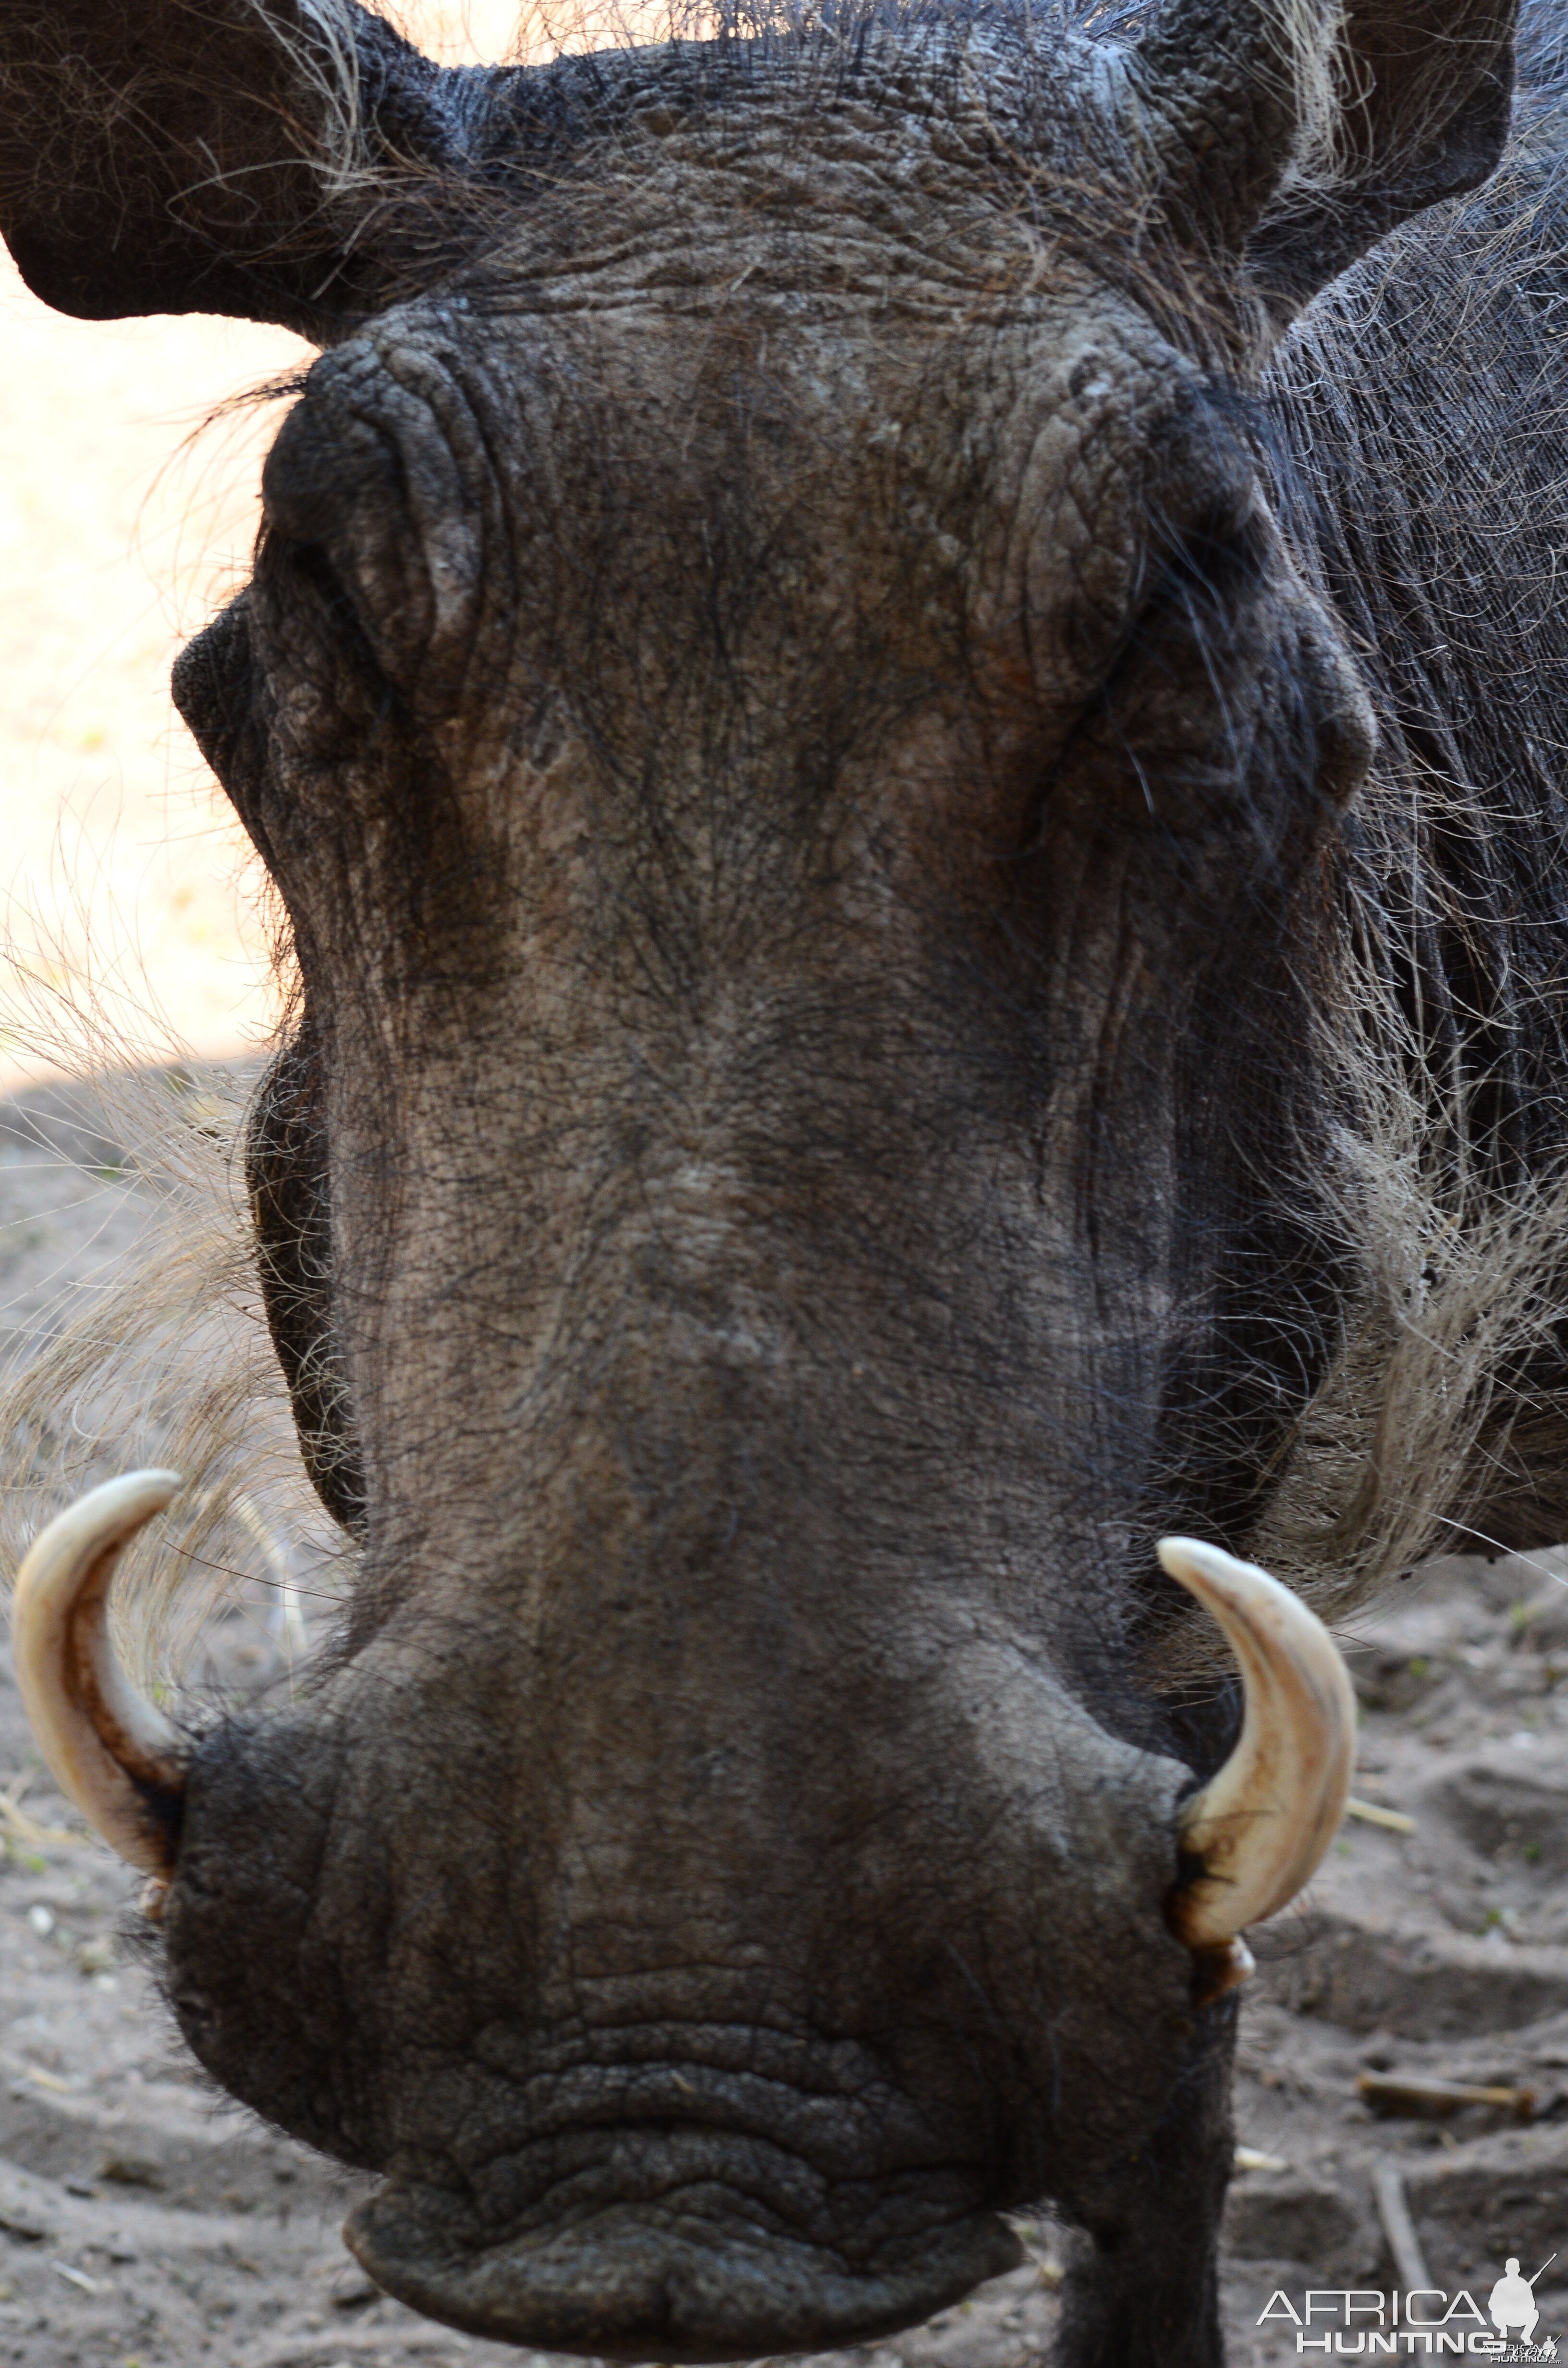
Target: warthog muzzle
(724, 2067)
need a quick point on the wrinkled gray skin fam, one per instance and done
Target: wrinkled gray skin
(805, 726)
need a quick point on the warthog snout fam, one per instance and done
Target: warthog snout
(658, 2103)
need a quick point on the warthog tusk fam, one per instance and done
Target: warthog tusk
(1261, 1825)
(109, 1748)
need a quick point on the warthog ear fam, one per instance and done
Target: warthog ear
(262, 158)
(1295, 132)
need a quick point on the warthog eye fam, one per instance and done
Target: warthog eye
(326, 602)
(1223, 709)
(1197, 576)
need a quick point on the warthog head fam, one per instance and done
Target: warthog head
(797, 757)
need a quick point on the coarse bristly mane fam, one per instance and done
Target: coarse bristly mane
(1461, 1284)
(1461, 1272)
(1445, 1038)
(159, 1354)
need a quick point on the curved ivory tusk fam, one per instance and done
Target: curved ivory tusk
(1262, 1822)
(106, 1747)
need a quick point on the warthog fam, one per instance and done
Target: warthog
(904, 685)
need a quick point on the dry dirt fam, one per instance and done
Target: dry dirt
(145, 2225)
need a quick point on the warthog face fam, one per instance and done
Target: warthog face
(789, 737)
(644, 712)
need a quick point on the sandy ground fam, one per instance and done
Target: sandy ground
(145, 2225)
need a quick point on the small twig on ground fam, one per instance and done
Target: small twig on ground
(1417, 2098)
(15, 1822)
(1393, 2211)
(1393, 1821)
